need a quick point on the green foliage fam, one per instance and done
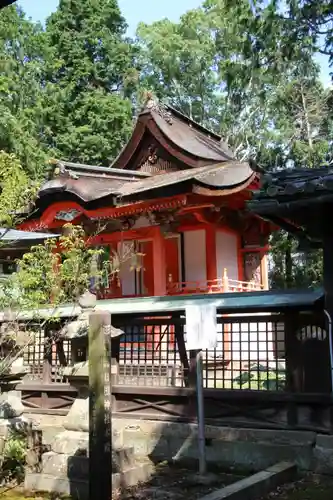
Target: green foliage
(261, 378)
(14, 457)
(17, 192)
(294, 268)
(89, 75)
(244, 69)
(22, 52)
(44, 277)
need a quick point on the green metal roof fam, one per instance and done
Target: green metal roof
(226, 303)
(266, 301)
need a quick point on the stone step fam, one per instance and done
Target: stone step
(77, 466)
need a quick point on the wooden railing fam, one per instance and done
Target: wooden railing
(221, 285)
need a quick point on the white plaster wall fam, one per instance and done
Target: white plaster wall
(226, 255)
(127, 277)
(195, 255)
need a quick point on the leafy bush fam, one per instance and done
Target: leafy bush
(13, 457)
(260, 377)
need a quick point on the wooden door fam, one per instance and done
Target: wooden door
(147, 271)
(172, 246)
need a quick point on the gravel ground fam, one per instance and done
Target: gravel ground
(311, 487)
(175, 483)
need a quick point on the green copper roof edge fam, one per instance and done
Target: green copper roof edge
(266, 301)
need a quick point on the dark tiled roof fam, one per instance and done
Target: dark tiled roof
(298, 201)
(5, 3)
(290, 188)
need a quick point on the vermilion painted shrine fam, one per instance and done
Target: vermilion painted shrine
(177, 195)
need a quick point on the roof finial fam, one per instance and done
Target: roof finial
(150, 100)
(152, 104)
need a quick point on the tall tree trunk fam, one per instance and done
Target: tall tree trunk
(307, 121)
(288, 262)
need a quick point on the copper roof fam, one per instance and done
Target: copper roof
(224, 175)
(96, 184)
(191, 138)
(196, 161)
(88, 182)
(188, 142)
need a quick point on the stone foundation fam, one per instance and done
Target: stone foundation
(139, 443)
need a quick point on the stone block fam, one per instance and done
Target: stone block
(279, 437)
(19, 424)
(10, 406)
(2, 446)
(145, 444)
(123, 459)
(65, 466)
(257, 456)
(76, 489)
(78, 416)
(139, 474)
(71, 443)
(185, 430)
(324, 441)
(50, 433)
(323, 460)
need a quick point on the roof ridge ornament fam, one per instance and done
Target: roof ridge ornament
(153, 105)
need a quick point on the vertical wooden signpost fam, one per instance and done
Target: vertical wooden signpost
(100, 433)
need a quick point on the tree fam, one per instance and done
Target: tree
(22, 52)
(312, 20)
(46, 276)
(246, 70)
(17, 191)
(89, 79)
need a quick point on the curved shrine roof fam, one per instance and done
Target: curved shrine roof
(192, 138)
(185, 140)
(174, 151)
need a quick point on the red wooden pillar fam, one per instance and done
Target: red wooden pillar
(264, 271)
(159, 264)
(211, 265)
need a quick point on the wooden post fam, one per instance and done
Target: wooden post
(47, 357)
(225, 281)
(159, 265)
(292, 375)
(328, 288)
(211, 262)
(100, 434)
(179, 334)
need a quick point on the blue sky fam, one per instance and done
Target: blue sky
(147, 11)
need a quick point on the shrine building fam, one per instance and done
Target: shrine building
(177, 197)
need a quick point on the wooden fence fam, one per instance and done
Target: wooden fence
(270, 370)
